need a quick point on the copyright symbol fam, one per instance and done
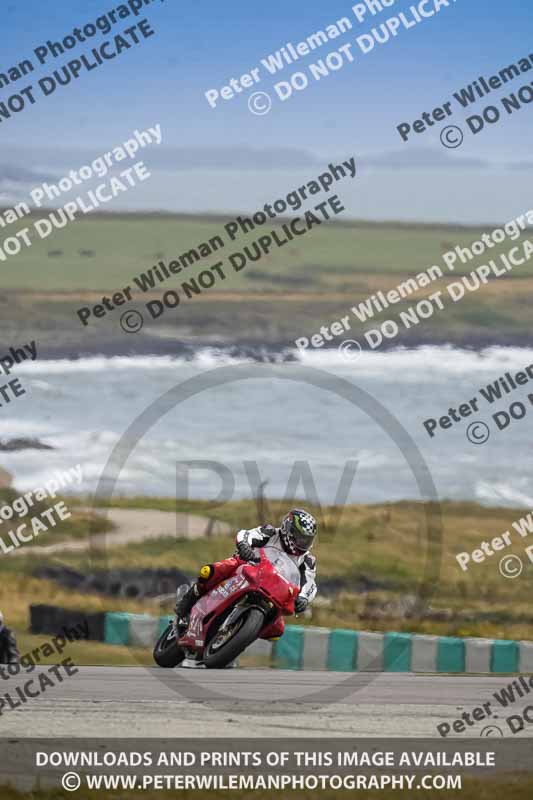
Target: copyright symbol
(71, 781)
(452, 137)
(260, 103)
(350, 350)
(491, 730)
(131, 321)
(511, 567)
(478, 433)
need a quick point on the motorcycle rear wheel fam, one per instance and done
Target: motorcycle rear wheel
(220, 657)
(167, 654)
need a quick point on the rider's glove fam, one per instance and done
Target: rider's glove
(268, 530)
(300, 604)
(247, 553)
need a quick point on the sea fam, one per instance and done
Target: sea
(320, 428)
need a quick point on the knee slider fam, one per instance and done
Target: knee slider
(206, 572)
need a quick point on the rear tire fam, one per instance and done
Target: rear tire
(245, 635)
(167, 654)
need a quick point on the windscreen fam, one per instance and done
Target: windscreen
(283, 564)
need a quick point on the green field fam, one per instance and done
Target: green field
(289, 293)
(330, 256)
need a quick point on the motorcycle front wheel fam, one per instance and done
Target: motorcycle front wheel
(167, 654)
(226, 647)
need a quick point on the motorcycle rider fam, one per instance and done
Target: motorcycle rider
(295, 537)
(9, 653)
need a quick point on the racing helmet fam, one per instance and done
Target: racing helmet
(298, 531)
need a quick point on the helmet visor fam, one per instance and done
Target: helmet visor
(302, 540)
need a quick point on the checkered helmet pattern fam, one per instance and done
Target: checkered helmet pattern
(298, 531)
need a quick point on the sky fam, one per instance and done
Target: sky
(354, 111)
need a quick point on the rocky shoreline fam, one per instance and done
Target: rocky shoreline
(267, 352)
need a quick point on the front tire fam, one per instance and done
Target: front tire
(167, 654)
(217, 657)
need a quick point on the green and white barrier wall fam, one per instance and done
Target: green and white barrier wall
(341, 650)
(348, 651)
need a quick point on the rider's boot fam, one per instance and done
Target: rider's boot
(185, 604)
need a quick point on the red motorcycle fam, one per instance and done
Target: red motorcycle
(241, 609)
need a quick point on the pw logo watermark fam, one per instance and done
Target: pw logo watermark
(300, 490)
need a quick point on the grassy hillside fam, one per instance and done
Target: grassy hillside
(289, 293)
(102, 253)
(374, 559)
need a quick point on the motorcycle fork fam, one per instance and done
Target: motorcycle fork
(234, 615)
(249, 601)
